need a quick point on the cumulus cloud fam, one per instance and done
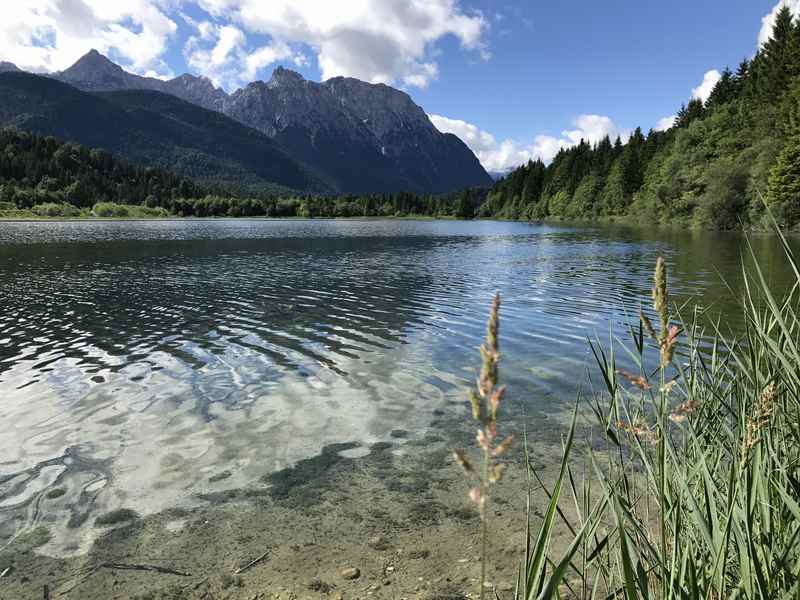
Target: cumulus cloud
(768, 21)
(386, 41)
(381, 41)
(666, 123)
(505, 155)
(703, 91)
(220, 52)
(49, 36)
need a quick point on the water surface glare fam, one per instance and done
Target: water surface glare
(139, 360)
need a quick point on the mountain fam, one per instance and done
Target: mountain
(197, 90)
(151, 128)
(362, 137)
(6, 67)
(95, 73)
(365, 137)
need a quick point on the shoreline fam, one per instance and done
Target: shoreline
(605, 222)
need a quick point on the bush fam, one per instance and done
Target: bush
(110, 209)
(50, 209)
(114, 210)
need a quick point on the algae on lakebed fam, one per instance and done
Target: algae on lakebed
(116, 517)
(421, 544)
(397, 511)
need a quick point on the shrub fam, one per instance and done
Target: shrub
(51, 209)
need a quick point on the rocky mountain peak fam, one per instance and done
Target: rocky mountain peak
(382, 108)
(197, 90)
(6, 67)
(92, 64)
(285, 77)
(96, 72)
(361, 136)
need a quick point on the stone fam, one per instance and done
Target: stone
(350, 573)
(378, 542)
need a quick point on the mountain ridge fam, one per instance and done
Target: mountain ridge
(362, 137)
(153, 128)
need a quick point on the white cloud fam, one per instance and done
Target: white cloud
(508, 154)
(382, 41)
(703, 91)
(593, 128)
(268, 55)
(50, 35)
(220, 53)
(388, 41)
(666, 123)
(768, 21)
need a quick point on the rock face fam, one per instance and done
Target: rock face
(360, 137)
(6, 67)
(95, 73)
(365, 137)
(197, 90)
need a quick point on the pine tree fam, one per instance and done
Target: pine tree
(690, 112)
(725, 91)
(777, 60)
(783, 193)
(612, 197)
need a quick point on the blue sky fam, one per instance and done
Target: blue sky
(515, 79)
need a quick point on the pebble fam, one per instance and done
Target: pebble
(378, 542)
(350, 573)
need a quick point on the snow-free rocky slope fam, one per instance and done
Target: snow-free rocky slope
(360, 137)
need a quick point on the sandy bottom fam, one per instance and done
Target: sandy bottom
(396, 512)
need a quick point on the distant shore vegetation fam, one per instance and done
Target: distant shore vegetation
(718, 167)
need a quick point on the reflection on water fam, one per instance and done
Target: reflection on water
(139, 361)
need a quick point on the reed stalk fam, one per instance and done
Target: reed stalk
(697, 495)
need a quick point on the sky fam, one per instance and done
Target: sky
(515, 79)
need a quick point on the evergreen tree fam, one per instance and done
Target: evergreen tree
(777, 60)
(690, 112)
(724, 91)
(783, 193)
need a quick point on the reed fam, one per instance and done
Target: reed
(485, 399)
(697, 493)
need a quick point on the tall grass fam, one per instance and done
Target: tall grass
(697, 491)
(485, 400)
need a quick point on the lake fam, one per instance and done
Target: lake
(165, 366)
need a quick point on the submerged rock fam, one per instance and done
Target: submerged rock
(350, 573)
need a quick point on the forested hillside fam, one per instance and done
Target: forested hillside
(155, 130)
(53, 178)
(711, 169)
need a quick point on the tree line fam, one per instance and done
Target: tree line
(49, 177)
(716, 167)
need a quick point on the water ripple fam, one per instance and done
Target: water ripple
(139, 359)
